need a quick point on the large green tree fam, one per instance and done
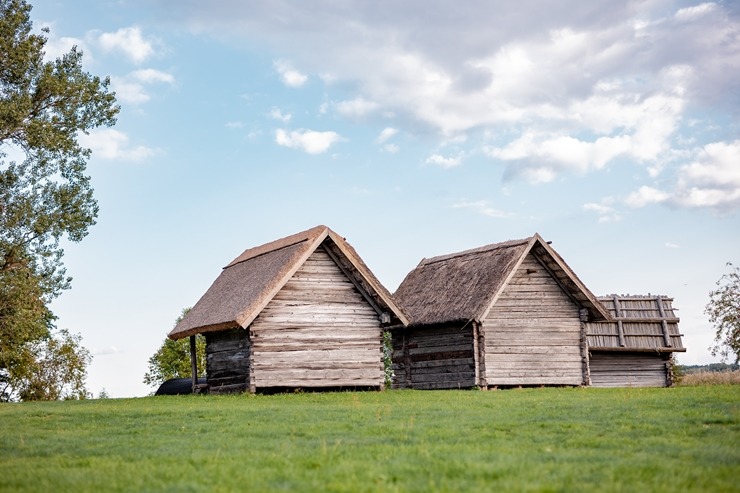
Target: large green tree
(45, 194)
(172, 359)
(724, 313)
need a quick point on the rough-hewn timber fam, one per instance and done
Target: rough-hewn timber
(434, 357)
(227, 361)
(533, 332)
(317, 331)
(623, 369)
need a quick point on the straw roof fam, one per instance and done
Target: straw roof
(248, 283)
(463, 286)
(640, 323)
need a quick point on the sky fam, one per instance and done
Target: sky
(413, 129)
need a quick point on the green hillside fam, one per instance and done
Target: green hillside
(678, 439)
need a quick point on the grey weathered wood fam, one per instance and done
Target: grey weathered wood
(434, 357)
(533, 332)
(663, 322)
(611, 369)
(620, 327)
(320, 330)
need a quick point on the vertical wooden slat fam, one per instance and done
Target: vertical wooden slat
(663, 323)
(193, 362)
(620, 328)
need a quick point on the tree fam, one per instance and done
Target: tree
(172, 359)
(57, 370)
(45, 196)
(724, 313)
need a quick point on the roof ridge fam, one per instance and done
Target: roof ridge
(279, 244)
(473, 251)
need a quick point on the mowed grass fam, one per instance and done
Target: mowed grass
(678, 439)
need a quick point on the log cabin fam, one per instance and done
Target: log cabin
(503, 315)
(302, 312)
(636, 348)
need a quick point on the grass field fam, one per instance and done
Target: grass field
(678, 439)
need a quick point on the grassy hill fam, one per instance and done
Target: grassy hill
(584, 439)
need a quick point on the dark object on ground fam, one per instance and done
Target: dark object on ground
(178, 386)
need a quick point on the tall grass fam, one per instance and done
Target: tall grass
(585, 439)
(710, 378)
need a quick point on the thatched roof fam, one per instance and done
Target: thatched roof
(640, 323)
(463, 286)
(248, 283)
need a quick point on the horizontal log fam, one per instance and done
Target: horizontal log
(318, 382)
(548, 380)
(542, 350)
(227, 389)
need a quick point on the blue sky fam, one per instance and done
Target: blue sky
(413, 129)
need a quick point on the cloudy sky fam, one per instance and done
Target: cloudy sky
(411, 128)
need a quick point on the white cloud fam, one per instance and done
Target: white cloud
(606, 212)
(132, 88)
(276, 114)
(356, 108)
(590, 86)
(289, 75)
(672, 246)
(481, 207)
(391, 148)
(130, 42)
(711, 180)
(386, 134)
(646, 195)
(308, 141)
(151, 75)
(234, 124)
(112, 144)
(444, 162)
(694, 12)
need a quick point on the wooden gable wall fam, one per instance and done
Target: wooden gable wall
(318, 331)
(533, 335)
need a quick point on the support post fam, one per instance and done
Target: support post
(193, 362)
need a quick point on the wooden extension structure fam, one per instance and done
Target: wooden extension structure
(300, 312)
(635, 348)
(503, 315)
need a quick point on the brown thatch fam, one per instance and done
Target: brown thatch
(248, 283)
(640, 323)
(463, 286)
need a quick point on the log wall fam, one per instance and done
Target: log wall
(624, 369)
(318, 331)
(434, 358)
(533, 333)
(227, 361)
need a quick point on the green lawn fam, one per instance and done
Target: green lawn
(679, 439)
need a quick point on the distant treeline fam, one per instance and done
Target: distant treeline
(712, 367)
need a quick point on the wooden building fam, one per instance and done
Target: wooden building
(502, 315)
(300, 312)
(636, 348)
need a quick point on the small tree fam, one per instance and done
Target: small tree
(724, 313)
(172, 359)
(54, 368)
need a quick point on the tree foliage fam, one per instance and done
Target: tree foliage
(45, 195)
(56, 370)
(172, 359)
(724, 313)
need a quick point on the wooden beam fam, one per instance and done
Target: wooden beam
(620, 328)
(663, 323)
